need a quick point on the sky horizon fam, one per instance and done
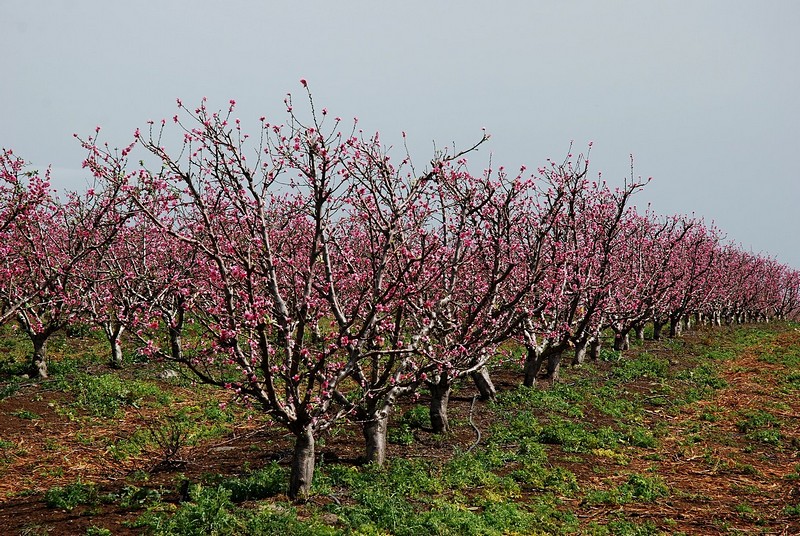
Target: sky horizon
(703, 94)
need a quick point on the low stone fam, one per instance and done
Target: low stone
(168, 374)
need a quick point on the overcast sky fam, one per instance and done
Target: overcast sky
(704, 94)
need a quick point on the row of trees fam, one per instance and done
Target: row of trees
(307, 271)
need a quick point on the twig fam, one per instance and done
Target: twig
(240, 437)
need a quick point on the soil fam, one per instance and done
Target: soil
(710, 479)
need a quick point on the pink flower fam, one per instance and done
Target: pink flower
(303, 81)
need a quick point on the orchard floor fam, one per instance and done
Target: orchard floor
(723, 445)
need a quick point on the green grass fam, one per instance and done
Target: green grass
(761, 426)
(266, 482)
(637, 488)
(524, 477)
(107, 395)
(402, 431)
(71, 496)
(26, 414)
(643, 365)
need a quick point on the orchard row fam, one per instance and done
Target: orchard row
(308, 272)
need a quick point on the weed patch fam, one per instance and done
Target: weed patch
(71, 496)
(106, 395)
(760, 426)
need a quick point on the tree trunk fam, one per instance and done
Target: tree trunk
(533, 363)
(175, 344)
(622, 340)
(553, 366)
(675, 326)
(580, 353)
(375, 438)
(440, 395)
(484, 384)
(39, 358)
(302, 465)
(113, 334)
(175, 328)
(594, 348)
(657, 327)
(639, 330)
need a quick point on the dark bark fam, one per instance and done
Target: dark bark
(533, 363)
(675, 326)
(622, 340)
(375, 438)
(553, 366)
(440, 396)
(39, 358)
(484, 384)
(302, 472)
(580, 352)
(594, 349)
(175, 328)
(658, 326)
(175, 344)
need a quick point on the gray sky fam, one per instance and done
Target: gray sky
(705, 94)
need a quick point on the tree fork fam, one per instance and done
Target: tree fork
(484, 384)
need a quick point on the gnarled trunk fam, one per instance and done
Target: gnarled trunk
(484, 384)
(302, 465)
(440, 396)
